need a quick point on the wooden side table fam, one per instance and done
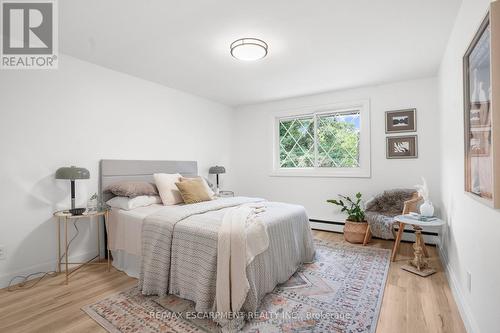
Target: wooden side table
(65, 217)
(418, 264)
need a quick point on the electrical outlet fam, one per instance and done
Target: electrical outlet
(3, 254)
(469, 281)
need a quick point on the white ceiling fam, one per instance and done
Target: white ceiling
(314, 45)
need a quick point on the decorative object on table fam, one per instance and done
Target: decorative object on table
(421, 218)
(402, 147)
(401, 121)
(426, 209)
(482, 119)
(73, 173)
(347, 281)
(356, 227)
(381, 210)
(76, 211)
(418, 264)
(64, 217)
(217, 170)
(93, 203)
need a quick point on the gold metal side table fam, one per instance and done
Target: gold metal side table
(65, 217)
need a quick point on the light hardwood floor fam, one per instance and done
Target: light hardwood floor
(410, 304)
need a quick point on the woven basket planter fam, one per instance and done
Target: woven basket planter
(354, 232)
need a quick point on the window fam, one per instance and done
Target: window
(330, 141)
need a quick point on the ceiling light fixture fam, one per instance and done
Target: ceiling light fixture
(249, 49)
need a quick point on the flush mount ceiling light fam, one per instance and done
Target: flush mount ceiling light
(248, 49)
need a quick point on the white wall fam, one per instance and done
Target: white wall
(77, 115)
(252, 148)
(471, 243)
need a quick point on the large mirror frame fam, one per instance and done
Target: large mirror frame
(481, 65)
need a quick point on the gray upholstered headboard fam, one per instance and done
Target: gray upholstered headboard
(112, 171)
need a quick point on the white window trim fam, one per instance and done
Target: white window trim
(363, 171)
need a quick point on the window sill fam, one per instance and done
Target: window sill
(321, 173)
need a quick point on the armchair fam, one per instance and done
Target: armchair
(381, 210)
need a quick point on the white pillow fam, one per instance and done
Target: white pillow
(167, 189)
(127, 203)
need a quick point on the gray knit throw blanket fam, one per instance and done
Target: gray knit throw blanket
(381, 210)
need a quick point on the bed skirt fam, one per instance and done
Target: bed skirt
(128, 263)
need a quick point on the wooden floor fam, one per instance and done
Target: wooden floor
(411, 303)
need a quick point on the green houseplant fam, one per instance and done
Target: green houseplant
(356, 228)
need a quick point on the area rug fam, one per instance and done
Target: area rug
(340, 292)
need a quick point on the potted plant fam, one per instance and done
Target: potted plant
(355, 227)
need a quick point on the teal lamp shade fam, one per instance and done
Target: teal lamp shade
(72, 173)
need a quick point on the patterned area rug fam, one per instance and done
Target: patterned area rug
(340, 292)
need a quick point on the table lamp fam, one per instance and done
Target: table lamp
(73, 173)
(216, 170)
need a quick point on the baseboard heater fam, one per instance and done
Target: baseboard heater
(428, 233)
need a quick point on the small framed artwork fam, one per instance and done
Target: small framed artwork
(401, 121)
(402, 147)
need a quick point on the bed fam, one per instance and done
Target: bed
(173, 249)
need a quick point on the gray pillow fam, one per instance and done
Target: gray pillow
(132, 189)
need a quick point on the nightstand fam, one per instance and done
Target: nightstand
(225, 194)
(65, 217)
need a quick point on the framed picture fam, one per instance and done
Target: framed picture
(401, 121)
(481, 65)
(402, 147)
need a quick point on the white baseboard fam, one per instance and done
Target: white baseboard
(327, 227)
(44, 267)
(462, 304)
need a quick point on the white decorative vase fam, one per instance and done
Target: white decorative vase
(427, 209)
